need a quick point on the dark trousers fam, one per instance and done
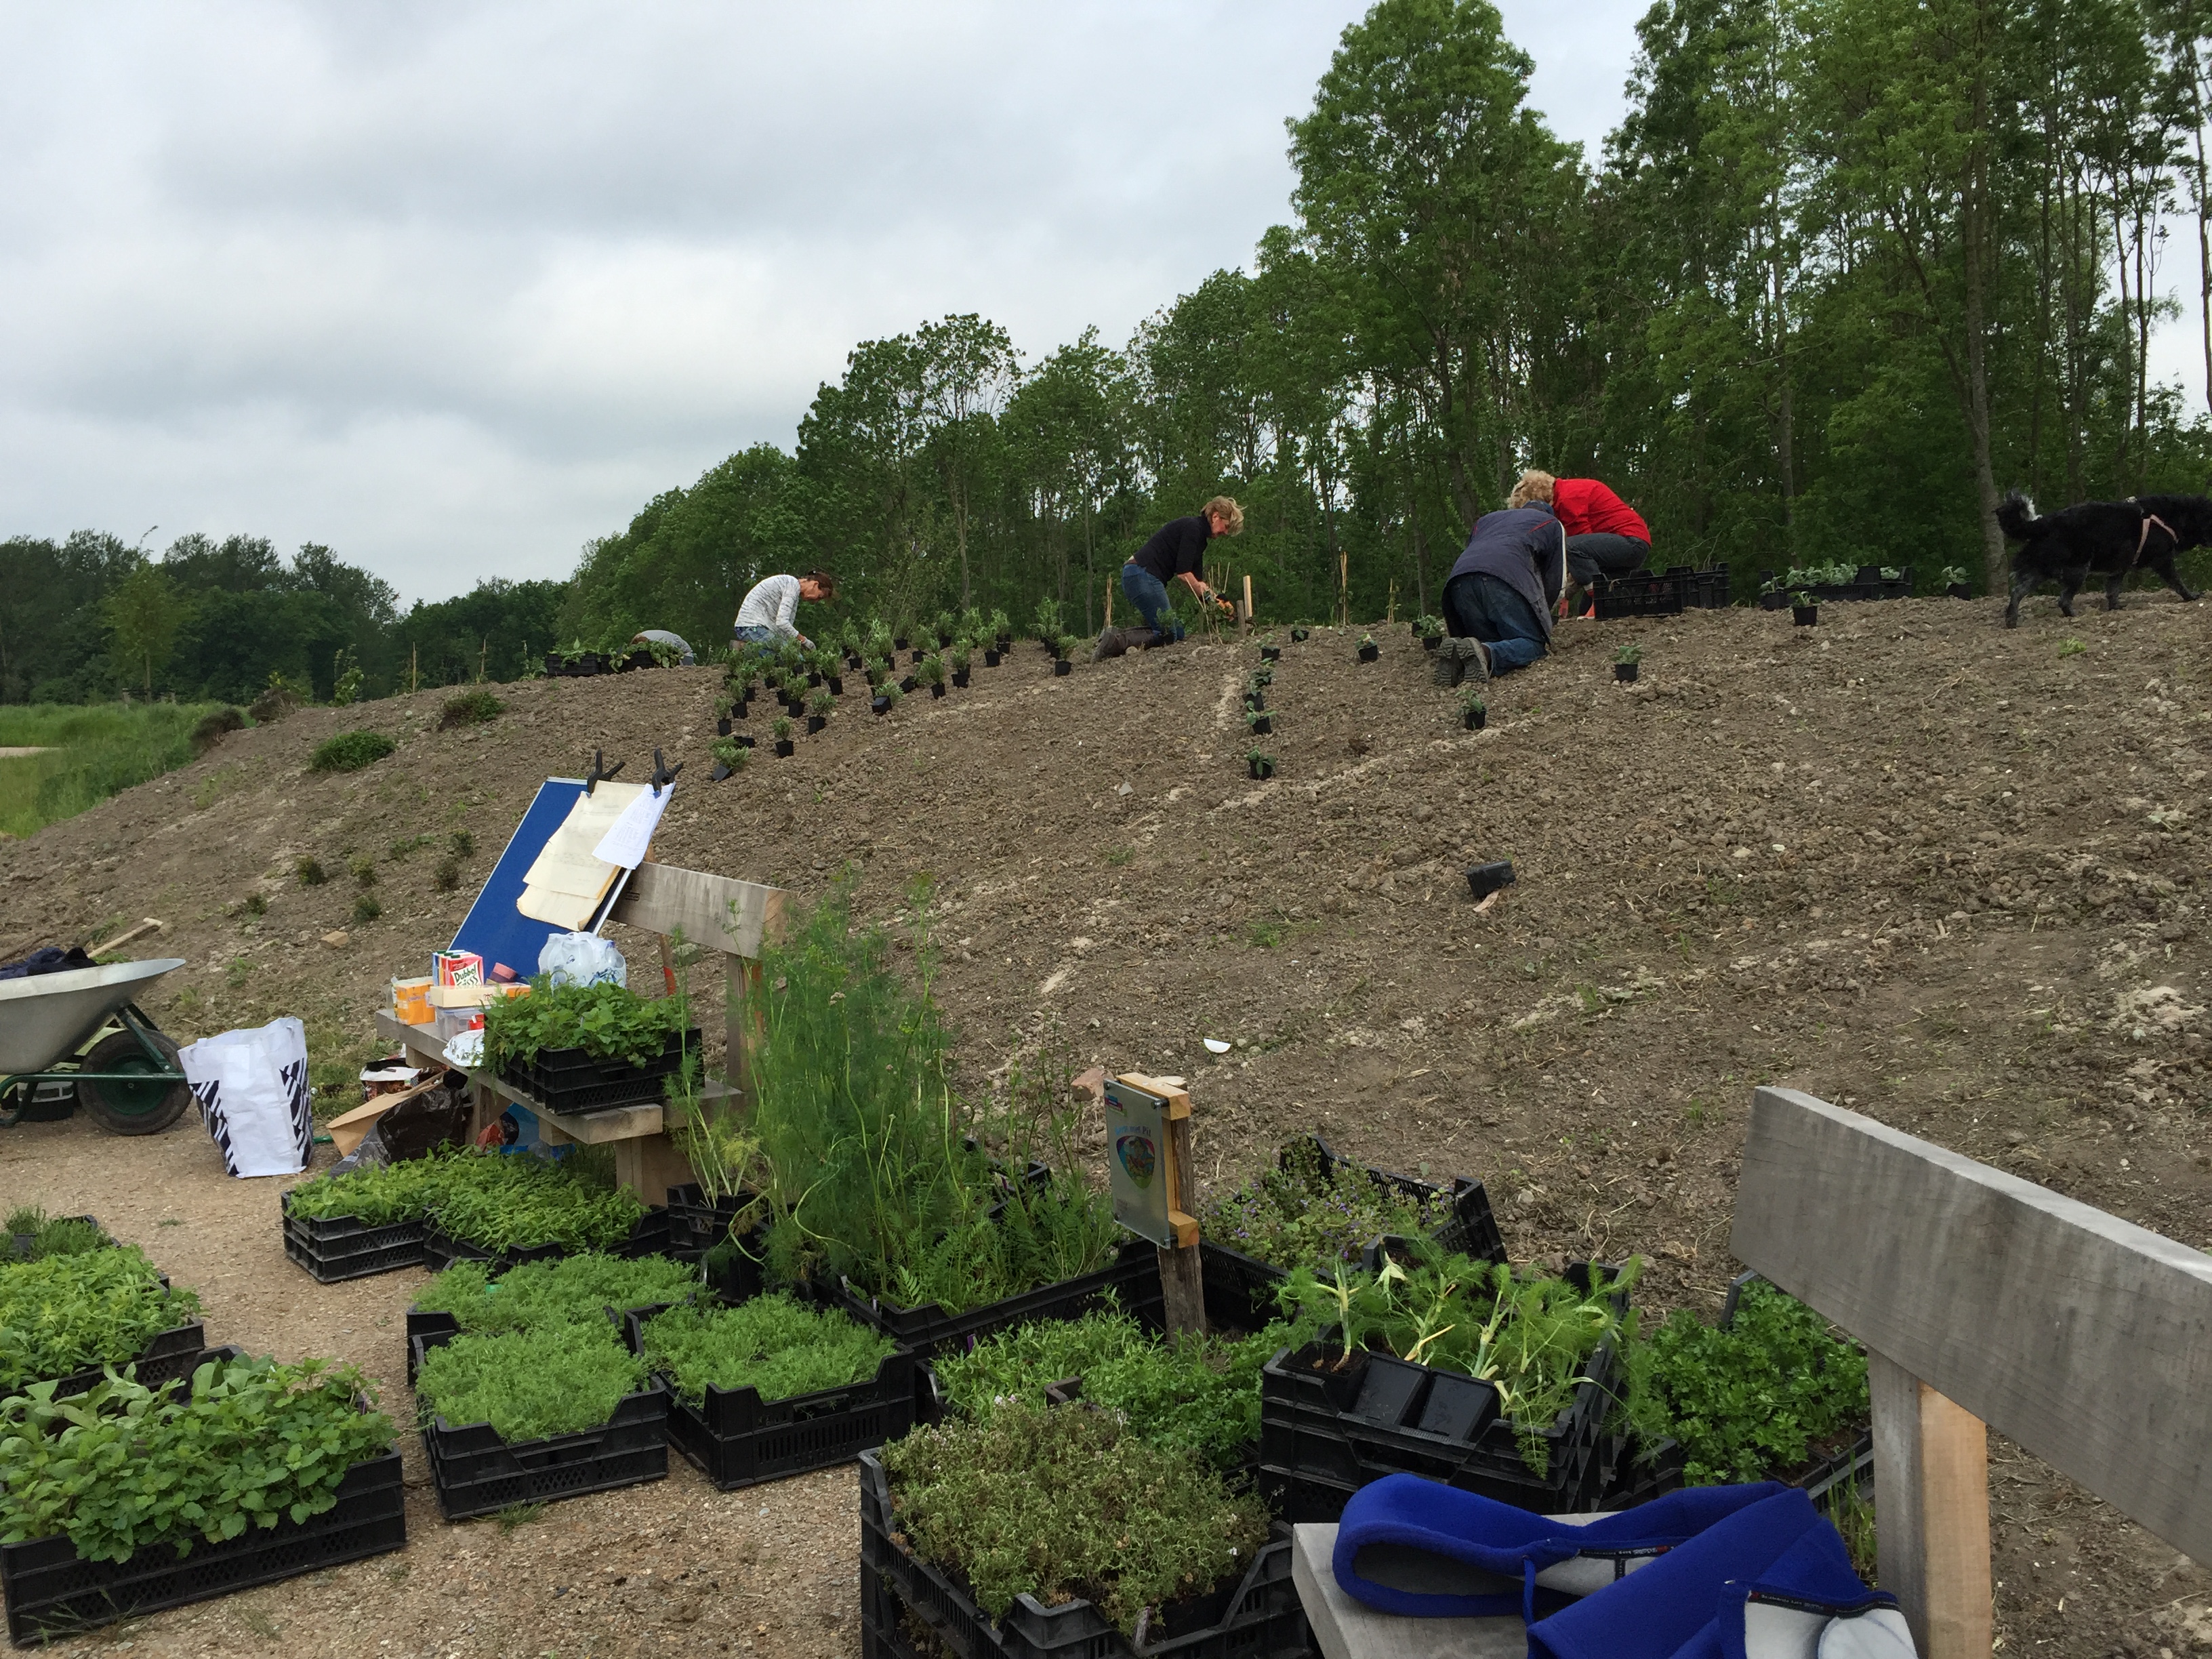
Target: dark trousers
(1605, 554)
(1481, 607)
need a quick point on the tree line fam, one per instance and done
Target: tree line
(1845, 272)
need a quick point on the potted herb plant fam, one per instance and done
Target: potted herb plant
(1803, 613)
(1300, 634)
(817, 710)
(1474, 713)
(961, 658)
(1955, 583)
(1624, 662)
(892, 692)
(730, 757)
(1430, 630)
(1368, 649)
(930, 671)
(782, 728)
(1258, 723)
(1002, 630)
(1270, 653)
(1260, 765)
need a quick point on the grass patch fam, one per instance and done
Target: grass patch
(477, 708)
(350, 752)
(99, 750)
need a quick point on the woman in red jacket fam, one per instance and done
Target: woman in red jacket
(1605, 536)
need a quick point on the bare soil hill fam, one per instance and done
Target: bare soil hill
(1906, 860)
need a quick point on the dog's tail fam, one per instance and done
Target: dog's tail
(2016, 517)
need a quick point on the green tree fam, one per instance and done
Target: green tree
(142, 615)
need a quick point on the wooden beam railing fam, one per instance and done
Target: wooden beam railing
(1983, 1299)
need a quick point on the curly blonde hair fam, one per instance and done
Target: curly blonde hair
(1531, 486)
(1231, 514)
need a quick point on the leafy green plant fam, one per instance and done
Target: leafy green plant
(365, 908)
(930, 671)
(1629, 654)
(309, 874)
(1471, 703)
(1527, 1335)
(820, 703)
(477, 708)
(781, 728)
(772, 1343)
(1254, 716)
(1955, 575)
(1751, 1402)
(1001, 625)
(569, 1290)
(1305, 1212)
(123, 1465)
(1063, 1503)
(1049, 621)
(962, 655)
(1892, 573)
(364, 871)
(891, 691)
(606, 1021)
(556, 1379)
(66, 1313)
(536, 1201)
(447, 876)
(1429, 627)
(1259, 760)
(380, 1197)
(1198, 1395)
(40, 1236)
(731, 753)
(2070, 648)
(350, 752)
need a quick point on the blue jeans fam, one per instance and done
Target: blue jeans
(1150, 595)
(1482, 607)
(754, 635)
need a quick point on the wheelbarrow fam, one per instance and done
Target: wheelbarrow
(82, 1029)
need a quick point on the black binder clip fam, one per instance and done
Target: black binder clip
(663, 774)
(601, 771)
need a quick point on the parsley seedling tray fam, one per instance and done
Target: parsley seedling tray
(570, 1080)
(652, 1236)
(339, 1247)
(735, 1438)
(50, 1590)
(19, 1245)
(170, 1354)
(1257, 1617)
(1132, 1278)
(477, 1472)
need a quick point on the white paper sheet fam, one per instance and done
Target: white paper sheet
(625, 844)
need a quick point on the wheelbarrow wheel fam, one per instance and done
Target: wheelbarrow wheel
(132, 1109)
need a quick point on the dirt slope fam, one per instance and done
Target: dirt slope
(1906, 860)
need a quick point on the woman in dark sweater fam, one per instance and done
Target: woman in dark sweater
(1176, 553)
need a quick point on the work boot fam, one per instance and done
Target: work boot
(1476, 661)
(1443, 664)
(1112, 643)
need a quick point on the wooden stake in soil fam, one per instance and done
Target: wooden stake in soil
(1148, 1154)
(1109, 603)
(1247, 619)
(1343, 590)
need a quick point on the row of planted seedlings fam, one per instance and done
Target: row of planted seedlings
(940, 654)
(140, 1470)
(620, 655)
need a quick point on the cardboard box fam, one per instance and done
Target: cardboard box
(457, 968)
(472, 996)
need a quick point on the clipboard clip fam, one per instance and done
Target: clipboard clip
(601, 771)
(663, 774)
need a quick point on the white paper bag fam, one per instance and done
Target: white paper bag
(253, 1090)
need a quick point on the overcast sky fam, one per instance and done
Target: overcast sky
(451, 288)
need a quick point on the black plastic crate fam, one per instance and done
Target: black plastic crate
(1380, 1415)
(1638, 596)
(477, 1472)
(1258, 1618)
(19, 1245)
(735, 1438)
(569, 1080)
(168, 1356)
(1703, 590)
(1297, 1496)
(1468, 1229)
(651, 1236)
(696, 1224)
(50, 1590)
(339, 1247)
(1132, 1279)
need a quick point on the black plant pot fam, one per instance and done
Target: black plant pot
(836, 684)
(587, 663)
(720, 772)
(938, 690)
(1270, 653)
(1959, 591)
(786, 749)
(815, 723)
(919, 653)
(853, 660)
(898, 644)
(907, 685)
(990, 659)
(1261, 768)
(880, 705)
(960, 678)
(555, 667)
(745, 740)
(1805, 616)
(738, 708)
(1300, 634)
(1254, 702)
(1625, 671)
(1264, 726)
(1430, 641)
(813, 676)
(722, 727)
(1368, 652)
(1060, 665)
(1487, 878)
(1006, 644)
(1475, 719)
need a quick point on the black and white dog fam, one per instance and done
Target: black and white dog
(2102, 538)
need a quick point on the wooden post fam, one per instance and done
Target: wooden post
(1931, 1512)
(1248, 604)
(1343, 589)
(1109, 602)
(1182, 1284)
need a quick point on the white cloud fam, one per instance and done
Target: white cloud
(452, 287)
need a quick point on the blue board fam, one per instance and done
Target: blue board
(493, 928)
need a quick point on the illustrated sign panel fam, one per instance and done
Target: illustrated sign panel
(1137, 1159)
